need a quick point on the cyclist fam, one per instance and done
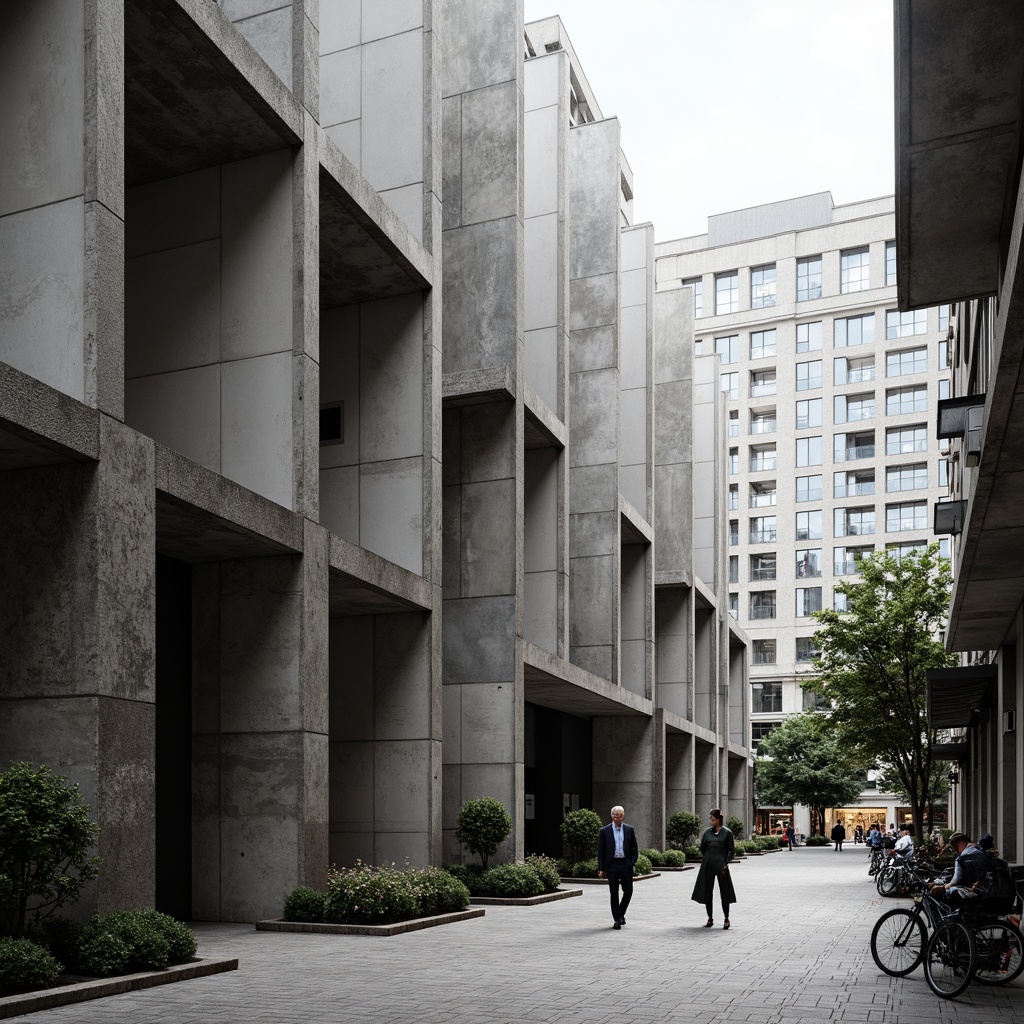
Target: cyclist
(971, 872)
(875, 840)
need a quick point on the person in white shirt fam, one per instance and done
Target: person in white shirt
(905, 844)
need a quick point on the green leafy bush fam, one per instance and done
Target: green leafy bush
(817, 841)
(681, 829)
(517, 881)
(766, 842)
(180, 939)
(580, 830)
(45, 838)
(482, 826)
(64, 939)
(469, 875)
(735, 826)
(691, 853)
(24, 966)
(105, 955)
(438, 892)
(643, 866)
(304, 904)
(585, 868)
(547, 871)
(673, 859)
(656, 857)
(564, 867)
(369, 895)
(149, 950)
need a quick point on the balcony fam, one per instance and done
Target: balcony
(763, 612)
(760, 463)
(760, 575)
(864, 451)
(762, 536)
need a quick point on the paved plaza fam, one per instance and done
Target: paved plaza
(797, 951)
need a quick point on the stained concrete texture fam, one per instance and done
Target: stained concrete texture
(797, 952)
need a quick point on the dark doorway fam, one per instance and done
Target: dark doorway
(173, 737)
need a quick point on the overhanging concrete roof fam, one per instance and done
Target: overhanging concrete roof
(955, 695)
(959, 69)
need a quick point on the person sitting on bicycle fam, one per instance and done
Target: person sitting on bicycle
(905, 845)
(971, 872)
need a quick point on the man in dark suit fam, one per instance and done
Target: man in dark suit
(617, 851)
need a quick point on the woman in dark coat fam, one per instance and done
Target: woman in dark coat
(717, 849)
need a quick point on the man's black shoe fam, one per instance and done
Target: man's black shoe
(616, 926)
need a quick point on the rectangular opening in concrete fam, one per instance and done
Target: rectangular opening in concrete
(543, 607)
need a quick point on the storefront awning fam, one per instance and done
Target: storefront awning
(956, 695)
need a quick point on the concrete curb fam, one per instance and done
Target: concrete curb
(51, 998)
(681, 867)
(604, 881)
(415, 925)
(530, 901)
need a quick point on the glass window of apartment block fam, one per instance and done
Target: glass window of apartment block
(848, 370)
(906, 515)
(762, 286)
(759, 730)
(848, 483)
(808, 278)
(849, 408)
(943, 477)
(904, 400)
(808, 337)
(762, 529)
(734, 532)
(730, 384)
(734, 461)
(762, 604)
(734, 605)
(762, 494)
(727, 292)
(908, 360)
(808, 525)
(859, 444)
(808, 375)
(890, 264)
(944, 553)
(808, 413)
(808, 488)
(854, 522)
(762, 567)
(907, 547)
(698, 346)
(763, 421)
(809, 699)
(806, 648)
(846, 560)
(734, 568)
(906, 478)
(851, 331)
(944, 318)
(762, 344)
(808, 600)
(904, 440)
(764, 654)
(762, 457)
(943, 390)
(696, 285)
(734, 423)
(728, 348)
(766, 698)
(943, 355)
(734, 497)
(808, 451)
(854, 270)
(762, 383)
(905, 325)
(808, 563)
(839, 602)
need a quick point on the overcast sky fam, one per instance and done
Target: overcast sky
(731, 103)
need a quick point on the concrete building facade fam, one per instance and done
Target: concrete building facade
(337, 409)
(832, 453)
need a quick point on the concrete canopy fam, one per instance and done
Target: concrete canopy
(958, 95)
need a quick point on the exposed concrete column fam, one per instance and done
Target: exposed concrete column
(627, 758)
(77, 628)
(679, 773)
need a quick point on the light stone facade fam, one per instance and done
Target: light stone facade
(337, 408)
(832, 446)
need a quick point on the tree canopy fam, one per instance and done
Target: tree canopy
(872, 663)
(803, 761)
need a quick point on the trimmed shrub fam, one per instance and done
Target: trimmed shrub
(564, 867)
(547, 871)
(482, 826)
(517, 881)
(692, 852)
(105, 955)
(766, 842)
(438, 892)
(585, 868)
(181, 942)
(817, 841)
(656, 857)
(673, 859)
(64, 939)
(149, 950)
(643, 866)
(681, 829)
(469, 875)
(735, 826)
(580, 830)
(369, 895)
(24, 966)
(304, 904)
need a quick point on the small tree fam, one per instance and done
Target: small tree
(45, 837)
(681, 829)
(580, 830)
(483, 825)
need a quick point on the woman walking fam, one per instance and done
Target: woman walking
(717, 849)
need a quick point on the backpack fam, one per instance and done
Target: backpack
(1002, 893)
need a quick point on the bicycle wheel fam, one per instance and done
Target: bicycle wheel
(949, 959)
(1000, 953)
(887, 880)
(897, 942)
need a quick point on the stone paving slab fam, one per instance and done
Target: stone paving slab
(797, 953)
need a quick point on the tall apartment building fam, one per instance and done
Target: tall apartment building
(351, 467)
(832, 391)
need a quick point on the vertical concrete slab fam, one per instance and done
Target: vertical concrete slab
(625, 750)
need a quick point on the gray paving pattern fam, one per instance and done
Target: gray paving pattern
(797, 952)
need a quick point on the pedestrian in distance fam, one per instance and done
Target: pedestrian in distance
(717, 848)
(617, 851)
(838, 835)
(790, 837)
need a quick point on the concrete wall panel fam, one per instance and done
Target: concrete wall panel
(172, 213)
(478, 640)
(489, 34)
(379, 20)
(339, 501)
(491, 153)
(541, 610)
(270, 33)
(402, 706)
(391, 511)
(541, 364)
(341, 88)
(541, 271)
(340, 23)
(541, 190)
(488, 555)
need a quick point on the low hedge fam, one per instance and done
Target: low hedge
(533, 877)
(547, 870)
(25, 965)
(588, 868)
(766, 842)
(664, 858)
(817, 841)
